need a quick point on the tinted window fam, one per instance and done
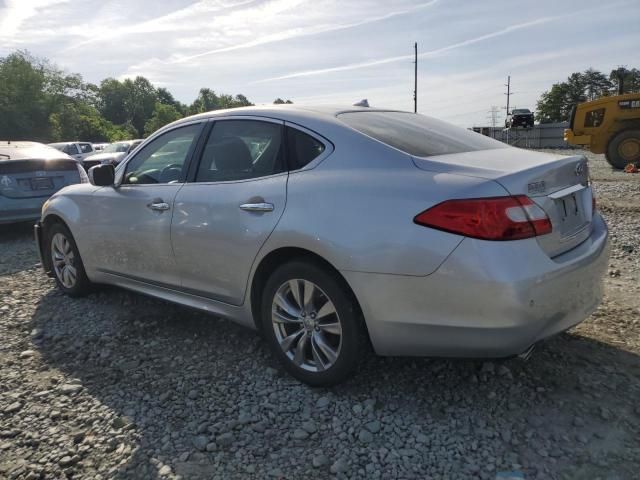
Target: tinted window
(241, 149)
(71, 149)
(163, 159)
(416, 134)
(302, 148)
(86, 148)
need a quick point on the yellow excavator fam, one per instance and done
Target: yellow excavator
(609, 125)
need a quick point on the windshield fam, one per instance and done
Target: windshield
(416, 134)
(521, 110)
(116, 148)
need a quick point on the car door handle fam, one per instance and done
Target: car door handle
(158, 205)
(257, 207)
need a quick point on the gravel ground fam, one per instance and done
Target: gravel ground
(117, 385)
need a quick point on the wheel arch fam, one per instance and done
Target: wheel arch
(47, 222)
(270, 262)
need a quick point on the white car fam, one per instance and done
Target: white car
(77, 150)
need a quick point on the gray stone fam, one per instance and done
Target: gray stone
(225, 439)
(200, 442)
(365, 436)
(339, 466)
(319, 461)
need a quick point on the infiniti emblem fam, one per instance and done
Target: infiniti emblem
(580, 169)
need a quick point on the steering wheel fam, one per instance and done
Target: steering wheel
(171, 170)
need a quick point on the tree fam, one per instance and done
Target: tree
(555, 104)
(24, 108)
(279, 101)
(162, 115)
(631, 79)
(113, 97)
(207, 100)
(39, 101)
(140, 102)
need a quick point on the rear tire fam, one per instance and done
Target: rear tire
(66, 264)
(624, 148)
(313, 324)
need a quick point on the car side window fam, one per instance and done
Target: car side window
(241, 149)
(86, 148)
(162, 160)
(71, 149)
(302, 148)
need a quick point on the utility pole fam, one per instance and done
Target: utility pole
(415, 78)
(508, 94)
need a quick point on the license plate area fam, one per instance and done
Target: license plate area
(571, 214)
(43, 183)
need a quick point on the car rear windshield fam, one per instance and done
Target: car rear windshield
(416, 134)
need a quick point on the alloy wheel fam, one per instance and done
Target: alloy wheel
(62, 257)
(306, 325)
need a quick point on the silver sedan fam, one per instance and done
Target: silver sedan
(334, 231)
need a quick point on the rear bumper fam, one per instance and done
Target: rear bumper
(488, 299)
(15, 210)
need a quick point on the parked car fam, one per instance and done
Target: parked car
(77, 150)
(519, 117)
(30, 173)
(113, 153)
(330, 230)
(98, 147)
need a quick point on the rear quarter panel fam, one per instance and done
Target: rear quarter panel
(356, 209)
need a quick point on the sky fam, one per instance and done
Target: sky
(334, 51)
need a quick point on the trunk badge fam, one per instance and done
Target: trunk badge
(580, 168)
(6, 181)
(536, 187)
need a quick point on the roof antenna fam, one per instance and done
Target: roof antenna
(362, 103)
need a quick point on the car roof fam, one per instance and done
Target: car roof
(288, 112)
(29, 150)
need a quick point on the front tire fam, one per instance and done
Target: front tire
(313, 323)
(66, 264)
(624, 149)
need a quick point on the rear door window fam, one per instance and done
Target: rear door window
(418, 135)
(86, 148)
(241, 149)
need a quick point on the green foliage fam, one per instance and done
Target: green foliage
(279, 101)
(162, 115)
(555, 104)
(40, 102)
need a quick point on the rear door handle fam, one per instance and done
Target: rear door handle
(158, 205)
(257, 207)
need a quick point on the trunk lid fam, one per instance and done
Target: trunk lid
(558, 184)
(26, 178)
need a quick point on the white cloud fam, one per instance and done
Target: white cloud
(431, 53)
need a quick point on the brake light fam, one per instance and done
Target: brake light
(593, 202)
(493, 218)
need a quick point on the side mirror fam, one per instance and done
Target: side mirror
(102, 175)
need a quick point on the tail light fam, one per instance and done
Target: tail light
(494, 218)
(593, 202)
